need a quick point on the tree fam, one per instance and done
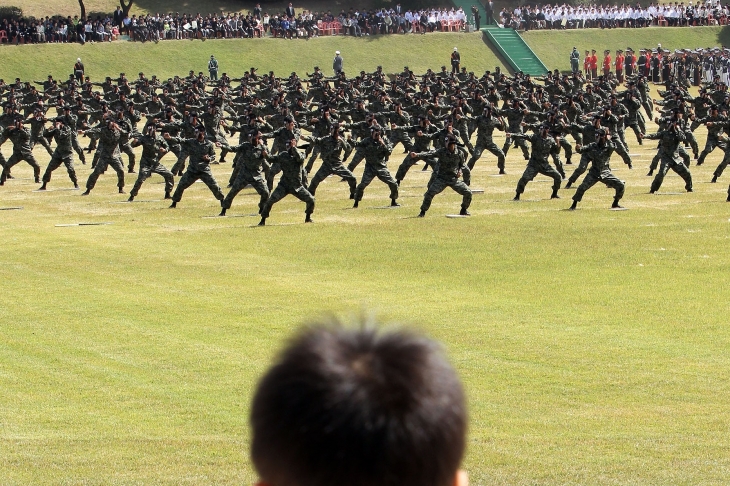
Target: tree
(126, 6)
(83, 9)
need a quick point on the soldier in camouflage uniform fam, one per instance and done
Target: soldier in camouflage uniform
(281, 137)
(22, 150)
(588, 132)
(486, 123)
(669, 140)
(716, 125)
(63, 134)
(291, 182)
(399, 118)
(250, 157)
(423, 134)
(376, 151)
(332, 148)
(515, 115)
(37, 126)
(109, 154)
(321, 127)
(599, 152)
(202, 153)
(153, 148)
(542, 146)
(451, 161)
(72, 120)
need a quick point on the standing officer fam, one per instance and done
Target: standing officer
(574, 60)
(213, 68)
(337, 63)
(455, 61)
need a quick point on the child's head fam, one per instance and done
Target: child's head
(359, 408)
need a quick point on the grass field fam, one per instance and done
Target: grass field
(593, 344)
(169, 58)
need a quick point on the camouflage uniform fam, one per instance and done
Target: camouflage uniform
(150, 163)
(109, 154)
(669, 140)
(198, 167)
(600, 171)
(332, 149)
(450, 165)
(249, 161)
(291, 182)
(376, 154)
(485, 128)
(62, 155)
(538, 163)
(22, 150)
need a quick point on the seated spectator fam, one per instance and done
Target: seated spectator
(359, 408)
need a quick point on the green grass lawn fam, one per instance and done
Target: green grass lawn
(169, 58)
(553, 47)
(593, 344)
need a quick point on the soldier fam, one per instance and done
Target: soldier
(669, 140)
(109, 154)
(72, 120)
(291, 161)
(250, 157)
(451, 161)
(716, 124)
(22, 150)
(213, 68)
(515, 115)
(486, 123)
(63, 135)
(574, 60)
(599, 152)
(281, 138)
(376, 151)
(725, 160)
(37, 127)
(332, 148)
(202, 153)
(153, 148)
(424, 133)
(542, 145)
(588, 132)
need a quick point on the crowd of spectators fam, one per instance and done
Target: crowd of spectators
(529, 17)
(258, 23)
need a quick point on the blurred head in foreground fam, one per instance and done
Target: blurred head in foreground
(359, 407)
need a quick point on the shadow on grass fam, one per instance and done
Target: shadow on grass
(724, 36)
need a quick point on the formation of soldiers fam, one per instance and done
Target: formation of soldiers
(434, 117)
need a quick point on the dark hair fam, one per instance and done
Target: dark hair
(360, 408)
